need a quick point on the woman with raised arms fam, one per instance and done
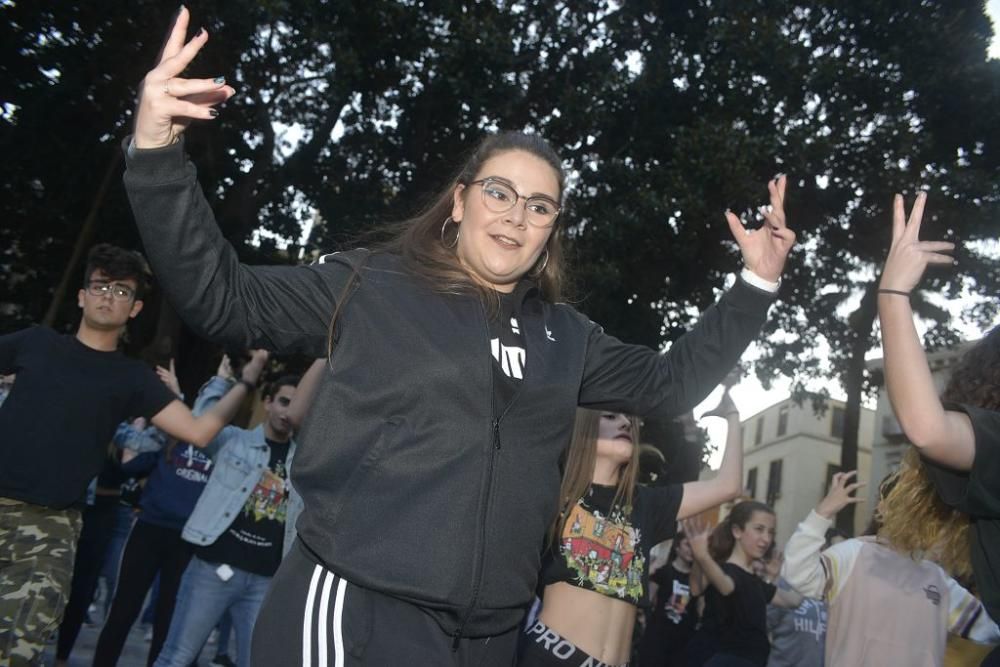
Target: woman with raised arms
(429, 462)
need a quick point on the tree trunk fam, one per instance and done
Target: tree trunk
(83, 240)
(861, 322)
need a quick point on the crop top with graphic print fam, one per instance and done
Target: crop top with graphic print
(605, 549)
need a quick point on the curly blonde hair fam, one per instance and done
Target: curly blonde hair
(915, 521)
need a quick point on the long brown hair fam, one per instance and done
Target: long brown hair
(915, 521)
(722, 541)
(578, 470)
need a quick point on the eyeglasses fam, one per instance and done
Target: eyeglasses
(500, 197)
(118, 291)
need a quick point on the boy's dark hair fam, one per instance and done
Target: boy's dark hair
(274, 387)
(118, 264)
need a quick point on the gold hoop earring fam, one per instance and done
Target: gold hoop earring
(458, 232)
(540, 270)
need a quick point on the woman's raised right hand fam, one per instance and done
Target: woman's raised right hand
(840, 494)
(168, 103)
(697, 532)
(908, 255)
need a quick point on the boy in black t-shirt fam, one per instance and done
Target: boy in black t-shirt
(69, 395)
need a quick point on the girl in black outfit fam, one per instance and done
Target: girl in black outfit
(672, 621)
(736, 599)
(429, 462)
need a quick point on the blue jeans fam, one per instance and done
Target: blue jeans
(201, 601)
(109, 571)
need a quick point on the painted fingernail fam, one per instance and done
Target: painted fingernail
(219, 80)
(213, 113)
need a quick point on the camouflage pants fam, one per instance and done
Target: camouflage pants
(37, 545)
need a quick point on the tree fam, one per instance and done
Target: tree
(666, 114)
(856, 102)
(382, 98)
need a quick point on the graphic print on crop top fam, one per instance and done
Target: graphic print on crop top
(601, 549)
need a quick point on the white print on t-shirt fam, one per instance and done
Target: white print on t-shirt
(191, 464)
(678, 602)
(510, 358)
(815, 626)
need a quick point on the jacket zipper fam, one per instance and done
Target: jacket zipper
(477, 575)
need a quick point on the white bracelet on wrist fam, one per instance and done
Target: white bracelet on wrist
(758, 282)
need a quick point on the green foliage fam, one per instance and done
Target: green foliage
(666, 113)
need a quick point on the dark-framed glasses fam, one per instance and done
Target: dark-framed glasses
(500, 197)
(118, 291)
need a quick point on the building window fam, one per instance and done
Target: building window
(774, 482)
(837, 423)
(831, 470)
(759, 432)
(782, 420)
(752, 482)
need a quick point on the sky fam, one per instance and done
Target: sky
(750, 397)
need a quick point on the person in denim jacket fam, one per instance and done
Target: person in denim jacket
(238, 526)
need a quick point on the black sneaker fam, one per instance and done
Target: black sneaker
(223, 660)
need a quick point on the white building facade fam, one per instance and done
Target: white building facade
(790, 454)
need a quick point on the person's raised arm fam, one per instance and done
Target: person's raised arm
(941, 435)
(305, 392)
(277, 308)
(177, 420)
(784, 598)
(636, 380)
(728, 482)
(697, 532)
(696, 580)
(803, 568)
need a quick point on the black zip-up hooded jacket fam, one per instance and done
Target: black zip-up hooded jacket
(412, 485)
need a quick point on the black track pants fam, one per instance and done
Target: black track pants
(314, 618)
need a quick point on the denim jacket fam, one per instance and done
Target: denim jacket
(240, 458)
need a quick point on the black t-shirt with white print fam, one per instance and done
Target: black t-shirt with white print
(253, 542)
(507, 349)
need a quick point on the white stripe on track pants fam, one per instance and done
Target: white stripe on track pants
(314, 618)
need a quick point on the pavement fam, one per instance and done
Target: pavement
(134, 654)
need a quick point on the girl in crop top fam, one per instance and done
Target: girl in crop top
(595, 571)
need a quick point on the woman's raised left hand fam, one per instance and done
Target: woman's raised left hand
(168, 102)
(766, 249)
